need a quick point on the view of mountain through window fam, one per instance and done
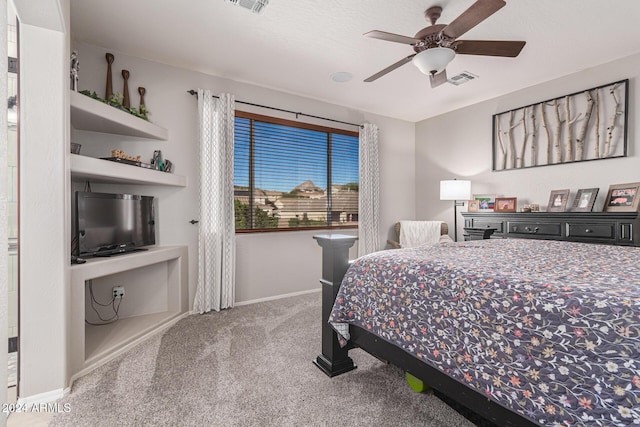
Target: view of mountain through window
(290, 175)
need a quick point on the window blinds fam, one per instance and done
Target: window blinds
(290, 175)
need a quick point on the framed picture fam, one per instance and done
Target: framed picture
(506, 204)
(622, 198)
(486, 202)
(585, 198)
(558, 201)
(473, 206)
(602, 110)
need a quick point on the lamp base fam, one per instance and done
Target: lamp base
(456, 203)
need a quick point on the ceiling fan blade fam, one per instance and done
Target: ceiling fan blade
(390, 37)
(438, 79)
(507, 48)
(478, 12)
(390, 68)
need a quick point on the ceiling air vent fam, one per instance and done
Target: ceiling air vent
(461, 78)
(255, 6)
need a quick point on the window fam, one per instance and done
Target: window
(290, 175)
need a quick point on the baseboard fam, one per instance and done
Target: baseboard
(41, 398)
(273, 298)
(276, 297)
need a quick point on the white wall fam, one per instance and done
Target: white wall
(458, 145)
(4, 259)
(268, 264)
(44, 242)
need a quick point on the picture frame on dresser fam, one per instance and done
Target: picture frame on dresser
(622, 198)
(584, 200)
(473, 205)
(558, 200)
(506, 204)
(486, 202)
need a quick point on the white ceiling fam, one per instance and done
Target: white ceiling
(295, 45)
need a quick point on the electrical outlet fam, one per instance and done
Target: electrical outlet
(118, 291)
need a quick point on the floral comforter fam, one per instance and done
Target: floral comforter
(548, 329)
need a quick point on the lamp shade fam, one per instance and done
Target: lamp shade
(434, 60)
(455, 189)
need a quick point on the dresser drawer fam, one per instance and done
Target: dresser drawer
(534, 228)
(488, 224)
(600, 231)
(609, 228)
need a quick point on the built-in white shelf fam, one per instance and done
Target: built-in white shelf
(101, 341)
(99, 170)
(91, 346)
(92, 115)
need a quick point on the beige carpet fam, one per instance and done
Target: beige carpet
(249, 366)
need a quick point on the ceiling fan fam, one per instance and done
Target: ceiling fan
(437, 44)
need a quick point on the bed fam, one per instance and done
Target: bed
(520, 331)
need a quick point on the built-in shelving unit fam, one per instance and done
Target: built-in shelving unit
(92, 115)
(91, 346)
(89, 114)
(100, 170)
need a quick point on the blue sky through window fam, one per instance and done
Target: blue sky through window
(285, 157)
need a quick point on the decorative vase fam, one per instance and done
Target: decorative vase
(126, 103)
(142, 109)
(109, 90)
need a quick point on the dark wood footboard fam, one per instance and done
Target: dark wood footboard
(335, 360)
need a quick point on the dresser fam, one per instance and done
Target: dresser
(613, 228)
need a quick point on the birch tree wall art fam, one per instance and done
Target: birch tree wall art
(586, 125)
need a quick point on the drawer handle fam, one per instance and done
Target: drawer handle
(588, 230)
(528, 229)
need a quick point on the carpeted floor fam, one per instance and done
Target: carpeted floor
(249, 366)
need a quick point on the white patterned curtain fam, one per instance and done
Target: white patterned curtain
(369, 200)
(216, 240)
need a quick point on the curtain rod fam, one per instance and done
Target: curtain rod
(195, 93)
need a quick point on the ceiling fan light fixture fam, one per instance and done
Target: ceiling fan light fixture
(434, 60)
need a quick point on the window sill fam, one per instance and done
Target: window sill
(276, 230)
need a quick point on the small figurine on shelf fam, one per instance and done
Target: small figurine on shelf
(157, 161)
(75, 66)
(167, 166)
(75, 148)
(119, 154)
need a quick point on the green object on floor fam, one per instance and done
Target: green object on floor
(416, 384)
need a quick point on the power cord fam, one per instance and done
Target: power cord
(74, 246)
(111, 303)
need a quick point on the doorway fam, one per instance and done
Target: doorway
(12, 202)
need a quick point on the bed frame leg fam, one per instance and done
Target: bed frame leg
(334, 360)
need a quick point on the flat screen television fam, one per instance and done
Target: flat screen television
(109, 224)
